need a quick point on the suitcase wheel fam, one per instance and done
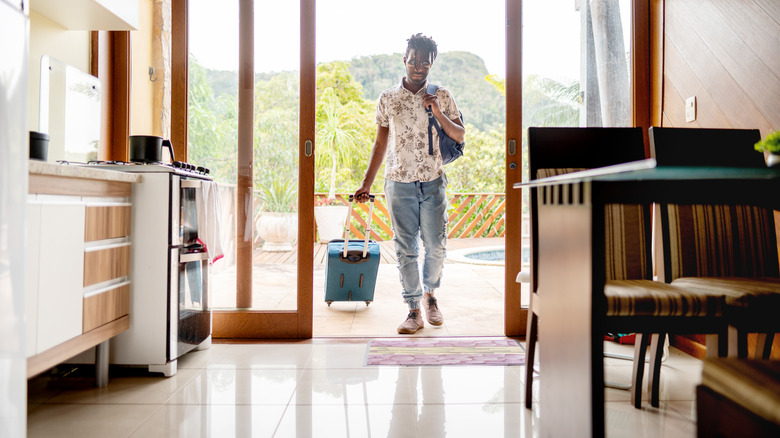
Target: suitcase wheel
(328, 303)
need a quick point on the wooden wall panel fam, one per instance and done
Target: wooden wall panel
(724, 52)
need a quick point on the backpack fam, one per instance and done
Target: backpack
(450, 150)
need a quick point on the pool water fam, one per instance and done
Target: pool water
(484, 255)
(489, 256)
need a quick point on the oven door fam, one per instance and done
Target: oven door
(194, 316)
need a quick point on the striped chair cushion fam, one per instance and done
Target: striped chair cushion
(628, 291)
(749, 297)
(653, 298)
(553, 171)
(624, 230)
(753, 384)
(722, 241)
(625, 247)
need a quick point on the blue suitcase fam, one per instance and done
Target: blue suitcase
(351, 275)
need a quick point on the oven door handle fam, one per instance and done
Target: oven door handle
(190, 183)
(193, 257)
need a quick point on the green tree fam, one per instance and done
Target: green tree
(213, 126)
(344, 129)
(481, 169)
(335, 76)
(547, 102)
(337, 135)
(275, 151)
(345, 125)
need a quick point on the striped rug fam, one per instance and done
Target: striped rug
(445, 351)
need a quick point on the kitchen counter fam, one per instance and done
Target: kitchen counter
(84, 172)
(78, 262)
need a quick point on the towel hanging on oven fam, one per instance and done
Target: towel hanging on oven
(209, 208)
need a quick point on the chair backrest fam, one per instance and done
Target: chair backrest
(714, 240)
(705, 147)
(553, 151)
(582, 148)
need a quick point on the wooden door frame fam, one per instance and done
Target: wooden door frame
(645, 28)
(241, 323)
(110, 62)
(298, 323)
(515, 316)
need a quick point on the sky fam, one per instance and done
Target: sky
(352, 28)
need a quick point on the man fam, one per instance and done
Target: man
(415, 182)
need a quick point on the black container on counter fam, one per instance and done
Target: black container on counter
(145, 148)
(39, 145)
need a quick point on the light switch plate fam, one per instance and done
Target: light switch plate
(690, 109)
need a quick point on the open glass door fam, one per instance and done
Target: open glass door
(578, 65)
(248, 122)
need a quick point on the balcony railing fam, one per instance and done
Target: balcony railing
(470, 215)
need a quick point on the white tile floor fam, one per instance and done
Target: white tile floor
(466, 290)
(320, 388)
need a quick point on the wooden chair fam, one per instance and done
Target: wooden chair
(738, 398)
(725, 249)
(635, 303)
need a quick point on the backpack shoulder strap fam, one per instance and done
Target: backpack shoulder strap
(432, 123)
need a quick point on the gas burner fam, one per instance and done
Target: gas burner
(149, 163)
(98, 162)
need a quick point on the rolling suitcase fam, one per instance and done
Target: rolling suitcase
(350, 270)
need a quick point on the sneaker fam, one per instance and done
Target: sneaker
(413, 323)
(432, 313)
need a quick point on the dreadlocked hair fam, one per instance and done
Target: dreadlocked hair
(421, 44)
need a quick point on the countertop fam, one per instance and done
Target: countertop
(87, 172)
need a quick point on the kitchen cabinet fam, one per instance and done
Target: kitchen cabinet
(90, 14)
(33, 253)
(60, 268)
(78, 261)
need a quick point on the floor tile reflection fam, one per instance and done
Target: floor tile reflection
(321, 388)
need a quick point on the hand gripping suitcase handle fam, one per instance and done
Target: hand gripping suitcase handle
(371, 198)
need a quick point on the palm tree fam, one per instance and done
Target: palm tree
(337, 135)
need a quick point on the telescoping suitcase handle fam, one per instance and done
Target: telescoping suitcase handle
(371, 198)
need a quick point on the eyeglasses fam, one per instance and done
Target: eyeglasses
(415, 63)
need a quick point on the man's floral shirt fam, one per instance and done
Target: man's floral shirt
(407, 158)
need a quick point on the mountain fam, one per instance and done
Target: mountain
(463, 73)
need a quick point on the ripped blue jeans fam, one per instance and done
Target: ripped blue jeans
(418, 210)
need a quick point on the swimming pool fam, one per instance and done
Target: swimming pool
(485, 255)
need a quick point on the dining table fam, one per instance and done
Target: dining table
(571, 272)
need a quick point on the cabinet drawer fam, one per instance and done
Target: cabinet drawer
(106, 222)
(106, 264)
(105, 307)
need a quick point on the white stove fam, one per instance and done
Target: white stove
(176, 167)
(169, 308)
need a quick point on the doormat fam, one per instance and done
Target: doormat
(443, 351)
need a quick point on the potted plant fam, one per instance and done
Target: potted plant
(331, 216)
(277, 224)
(770, 145)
